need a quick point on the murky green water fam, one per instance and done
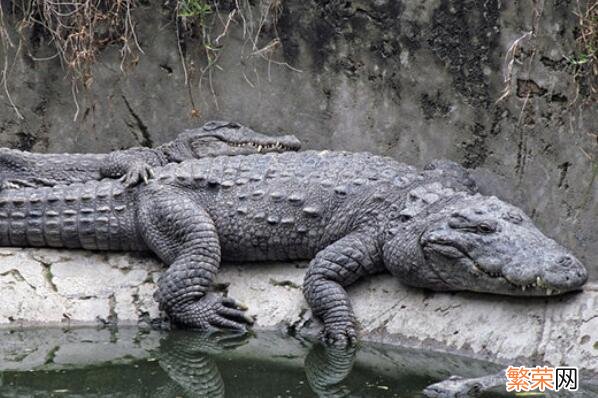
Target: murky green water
(130, 363)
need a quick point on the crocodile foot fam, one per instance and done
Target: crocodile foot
(339, 335)
(137, 172)
(212, 312)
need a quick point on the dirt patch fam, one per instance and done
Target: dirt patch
(463, 35)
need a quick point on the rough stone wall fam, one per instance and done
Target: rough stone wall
(413, 80)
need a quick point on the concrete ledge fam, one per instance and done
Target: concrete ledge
(54, 287)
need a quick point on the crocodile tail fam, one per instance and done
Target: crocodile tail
(38, 169)
(97, 215)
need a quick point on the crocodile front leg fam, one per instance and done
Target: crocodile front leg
(132, 165)
(333, 268)
(184, 236)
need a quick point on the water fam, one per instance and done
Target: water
(134, 363)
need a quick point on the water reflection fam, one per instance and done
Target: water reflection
(130, 363)
(327, 368)
(189, 359)
(186, 358)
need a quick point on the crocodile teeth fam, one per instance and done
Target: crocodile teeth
(549, 292)
(260, 147)
(523, 288)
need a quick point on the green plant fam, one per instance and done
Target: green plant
(580, 59)
(193, 8)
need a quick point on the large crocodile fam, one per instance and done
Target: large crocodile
(215, 138)
(352, 214)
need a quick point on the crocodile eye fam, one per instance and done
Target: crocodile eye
(485, 228)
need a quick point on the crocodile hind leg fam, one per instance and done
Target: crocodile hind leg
(184, 236)
(334, 267)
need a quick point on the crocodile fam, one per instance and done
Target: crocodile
(25, 169)
(351, 214)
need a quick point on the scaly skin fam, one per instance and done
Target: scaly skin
(24, 169)
(353, 215)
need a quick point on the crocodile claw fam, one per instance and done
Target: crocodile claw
(137, 172)
(213, 312)
(339, 336)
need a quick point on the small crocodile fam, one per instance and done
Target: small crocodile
(352, 214)
(25, 169)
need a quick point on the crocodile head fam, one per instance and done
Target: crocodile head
(483, 244)
(218, 138)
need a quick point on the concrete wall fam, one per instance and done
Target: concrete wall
(413, 80)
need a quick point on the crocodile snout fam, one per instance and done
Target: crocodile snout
(566, 272)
